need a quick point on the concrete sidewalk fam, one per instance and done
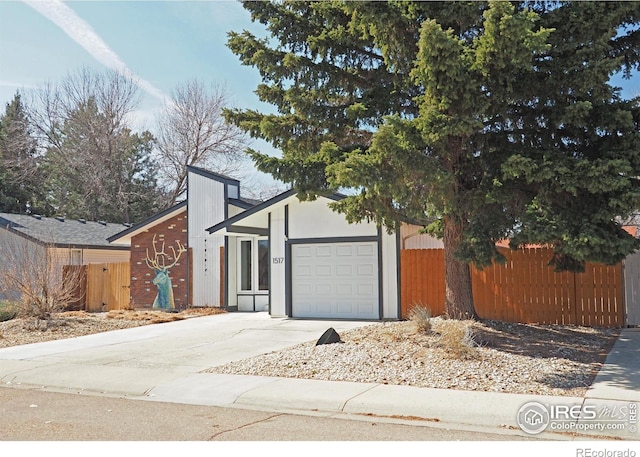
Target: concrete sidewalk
(164, 363)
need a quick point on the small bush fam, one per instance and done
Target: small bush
(421, 316)
(457, 338)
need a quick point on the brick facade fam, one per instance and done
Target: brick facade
(143, 291)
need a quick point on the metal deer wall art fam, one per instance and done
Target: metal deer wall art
(164, 298)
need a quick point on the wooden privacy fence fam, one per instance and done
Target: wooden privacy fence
(525, 289)
(105, 286)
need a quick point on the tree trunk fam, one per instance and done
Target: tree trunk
(458, 292)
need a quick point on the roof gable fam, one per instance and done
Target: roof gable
(124, 236)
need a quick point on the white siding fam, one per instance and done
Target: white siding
(206, 208)
(389, 264)
(233, 210)
(232, 284)
(278, 268)
(315, 219)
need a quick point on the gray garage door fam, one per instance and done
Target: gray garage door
(335, 280)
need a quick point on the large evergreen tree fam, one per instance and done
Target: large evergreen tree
(478, 120)
(21, 189)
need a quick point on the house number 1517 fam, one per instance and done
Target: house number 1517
(278, 260)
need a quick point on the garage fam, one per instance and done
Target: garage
(318, 264)
(335, 280)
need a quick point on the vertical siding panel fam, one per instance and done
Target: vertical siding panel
(206, 208)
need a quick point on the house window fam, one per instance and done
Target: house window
(253, 265)
(246, 272)
(263, 265)
(233, 191)
(76, 257)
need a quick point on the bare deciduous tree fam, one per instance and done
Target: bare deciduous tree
(97, 167)
(32, 279)
(192, 131)
(115, 95)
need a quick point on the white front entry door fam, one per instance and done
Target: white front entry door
(335, 280)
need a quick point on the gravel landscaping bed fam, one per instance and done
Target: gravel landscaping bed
(502, 357)
(480, 356)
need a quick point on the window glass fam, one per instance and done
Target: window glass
(76, 257)
(263, 265)
(245, 265)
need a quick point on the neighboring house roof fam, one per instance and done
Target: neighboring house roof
(61, 232)
(124, 236)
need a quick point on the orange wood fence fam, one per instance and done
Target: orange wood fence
(105, 286)
(525, 289)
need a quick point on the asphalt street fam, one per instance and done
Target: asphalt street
(35, 415)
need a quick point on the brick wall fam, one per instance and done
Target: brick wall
(143, 291)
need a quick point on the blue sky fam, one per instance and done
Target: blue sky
(162, 43)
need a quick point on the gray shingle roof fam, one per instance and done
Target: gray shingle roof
(61, 232)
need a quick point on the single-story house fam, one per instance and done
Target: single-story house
(58, 241)
(72, 241)
(302, 259)
(174, 249)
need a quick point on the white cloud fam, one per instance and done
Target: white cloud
(19, 85)
(83, 34)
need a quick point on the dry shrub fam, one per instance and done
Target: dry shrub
(34, 280)
(420, 315)
(456, 337)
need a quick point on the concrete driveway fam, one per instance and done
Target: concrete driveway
(133, 362)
